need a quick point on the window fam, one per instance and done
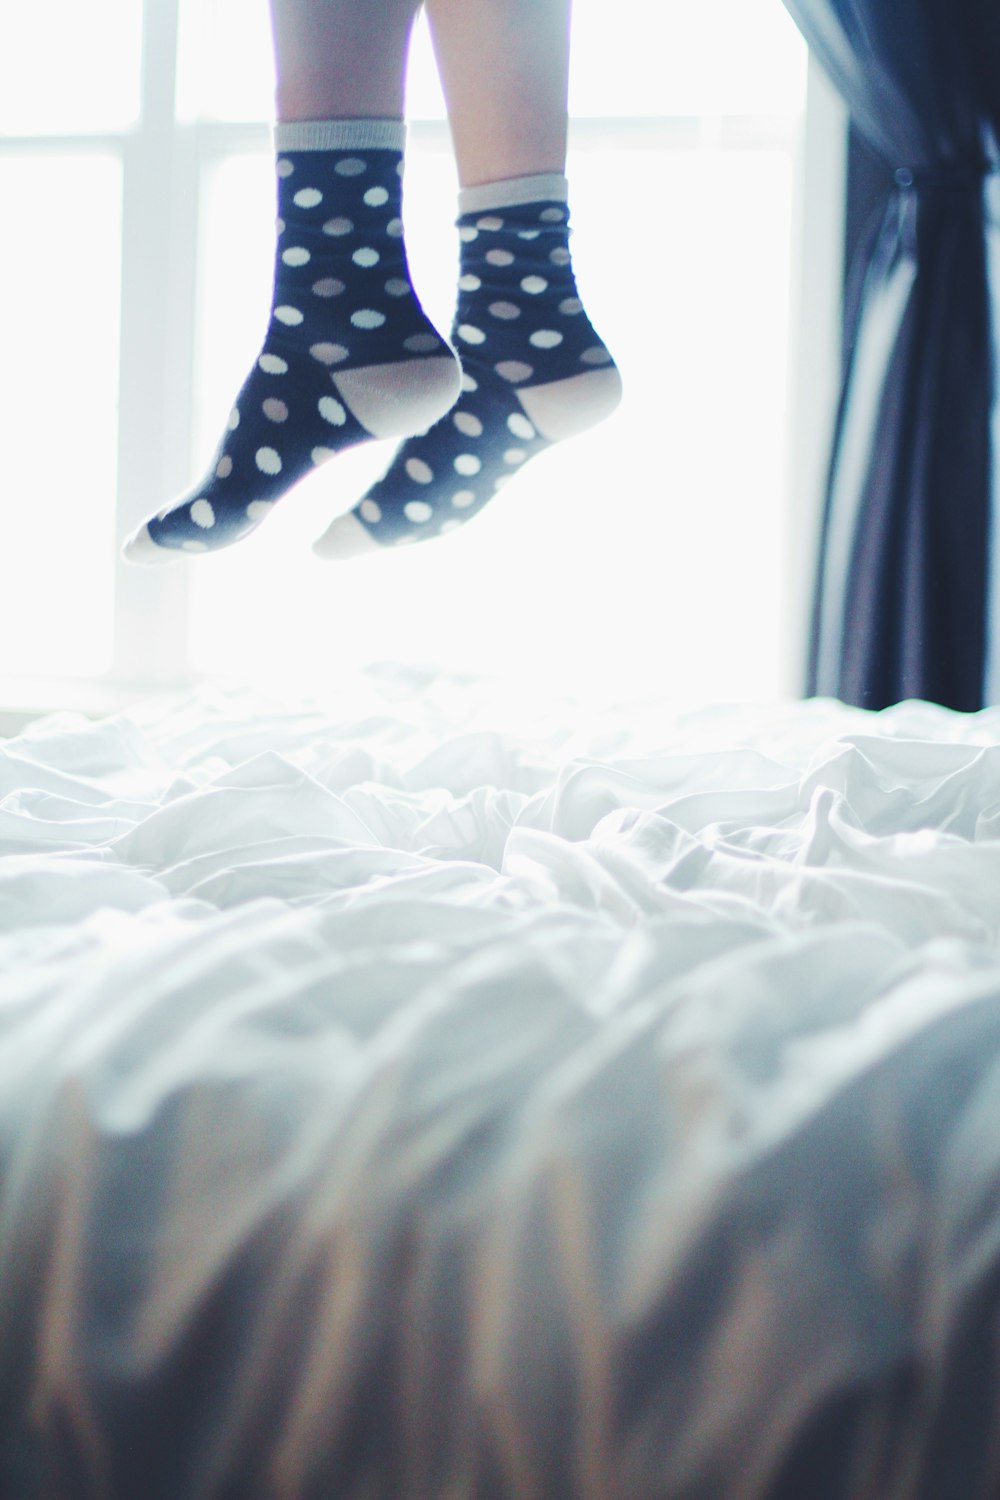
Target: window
(61, 176)
(646, 553)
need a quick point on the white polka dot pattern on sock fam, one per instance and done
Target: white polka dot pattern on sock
(367, 317)
(332, 411)
(420, 343)
(328, 354)
(468, 424)
(268, 460)
(514, 370)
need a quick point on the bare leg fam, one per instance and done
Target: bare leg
(504, 66)
(341, 59)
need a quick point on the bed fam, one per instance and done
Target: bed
(442, 1092)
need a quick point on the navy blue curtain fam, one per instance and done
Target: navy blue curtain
(906, 587)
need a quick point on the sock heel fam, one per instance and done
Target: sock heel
(565, 407)
(402, 398)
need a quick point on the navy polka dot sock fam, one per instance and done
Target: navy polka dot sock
(534, 371)
(349, 353)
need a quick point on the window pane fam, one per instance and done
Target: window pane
(646, 551)
(675, 57)
(225, 69)
(68, 67)
(680, 534)
(59, 286)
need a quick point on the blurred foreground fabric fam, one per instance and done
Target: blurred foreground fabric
(443, 1093)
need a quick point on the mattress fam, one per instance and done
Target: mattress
(442, 1092)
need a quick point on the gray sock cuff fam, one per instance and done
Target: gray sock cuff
(339, 135)
(513, 191)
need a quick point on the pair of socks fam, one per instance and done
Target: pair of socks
(349, 354)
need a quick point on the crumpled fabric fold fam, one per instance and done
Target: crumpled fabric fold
(433, 1093)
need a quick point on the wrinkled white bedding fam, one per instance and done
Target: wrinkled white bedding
(440, 1094)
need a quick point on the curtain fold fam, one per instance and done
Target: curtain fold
(907, 597)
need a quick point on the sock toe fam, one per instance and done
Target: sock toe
(344, 539)
(140, 548)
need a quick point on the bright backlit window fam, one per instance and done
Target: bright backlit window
(646, 553)
(70, 68)
(60, 273)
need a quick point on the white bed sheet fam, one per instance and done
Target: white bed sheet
(439, 1093)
